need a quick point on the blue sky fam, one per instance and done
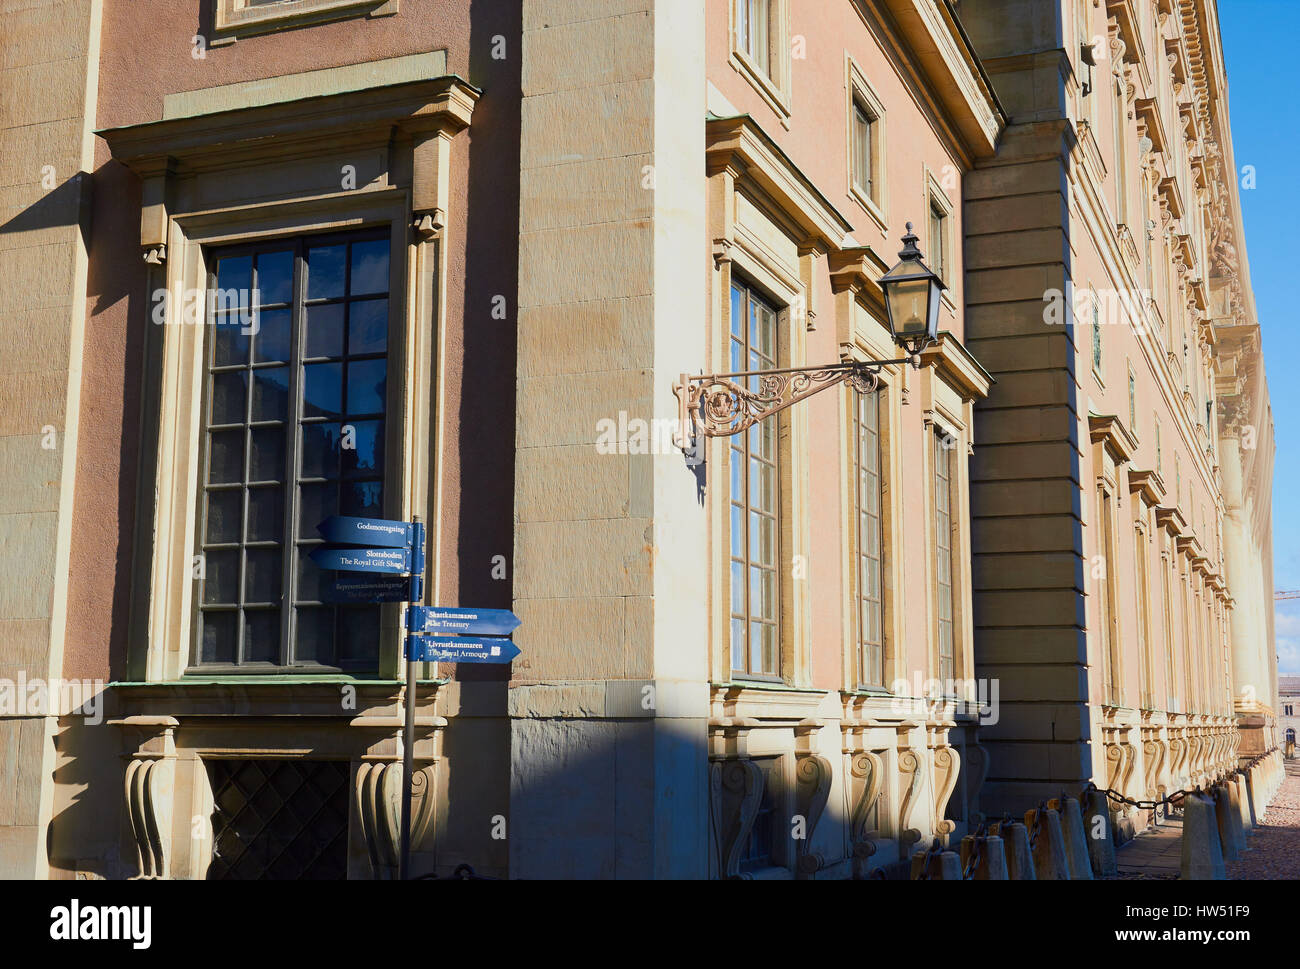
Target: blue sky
(1258, 36)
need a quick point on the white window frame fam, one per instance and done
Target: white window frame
(875, 202)
(773, 82)
(232, 19)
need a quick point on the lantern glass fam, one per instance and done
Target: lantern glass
(909, 305)
(912, 293)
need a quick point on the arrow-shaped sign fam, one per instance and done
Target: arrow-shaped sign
(377, 588)
(453, 621)
(366, 531)
(459, 649)
(392, 560)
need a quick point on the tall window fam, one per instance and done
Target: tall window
(294, 410)
(943, 552)
(755, 501)
(1166, 589)
(1106, 599)
(754, 32)
(871, 638)
(864, 136)
(1096, 334)
(938, 254)
(1147, 666)
(1132, 400)
(1121, 150)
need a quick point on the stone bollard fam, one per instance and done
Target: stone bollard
(1243, 804)
(1235, 827)
(1202, 855)
(945, 866)
(1101, 842)
(1076, 839)
(992, 864)
(1223, 822)
(1050, 860)
(1015, 841)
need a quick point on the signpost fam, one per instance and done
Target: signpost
(392, 555)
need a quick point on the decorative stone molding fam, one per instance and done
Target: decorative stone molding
(812, 789)
(150, 780)
(866, 775)
(912, 778)
(378, 794)
(946, 765)
(735, 793)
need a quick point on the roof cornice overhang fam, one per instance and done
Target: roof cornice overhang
(953, 70)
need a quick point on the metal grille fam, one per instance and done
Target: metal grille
(279, 820)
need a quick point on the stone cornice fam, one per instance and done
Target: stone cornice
(1109, 430)
(741, 144)
(292, 128)
(1148, 484)
(958, 368)
(1171, 519)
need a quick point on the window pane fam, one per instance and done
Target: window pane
(320, 450)
(221, 577)
(226, 456)
(262, 575)
(322, 394)
(265, 514)
(219, 637)
(369, 268)
(262, 636)
(270, 394)
(358, 634)
(274, 277)
(266, 455)
(229, 397)
(225, 513)
(367, 380)
(271, 341)
(325, 330)
(366, 455)
(368, 326)
(325, 272)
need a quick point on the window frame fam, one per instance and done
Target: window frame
(874, 198)
(289, 543)
(751, 293)
(881, 406)
(772, 82)
(938, 434)
(232, 19)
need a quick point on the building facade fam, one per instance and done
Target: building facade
(465, 262)
(1123, 571)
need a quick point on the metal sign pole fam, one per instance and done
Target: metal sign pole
(408, 731)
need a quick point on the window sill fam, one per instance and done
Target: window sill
(869, 205)
(231, 24)
(776, 99)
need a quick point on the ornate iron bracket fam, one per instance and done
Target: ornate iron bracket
(723, 404)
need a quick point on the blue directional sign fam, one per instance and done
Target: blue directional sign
(459, 649)
(460, 621)
(366, 531)
(369, 588)
(391, 560)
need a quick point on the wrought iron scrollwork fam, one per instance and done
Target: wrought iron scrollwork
(723, 404)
